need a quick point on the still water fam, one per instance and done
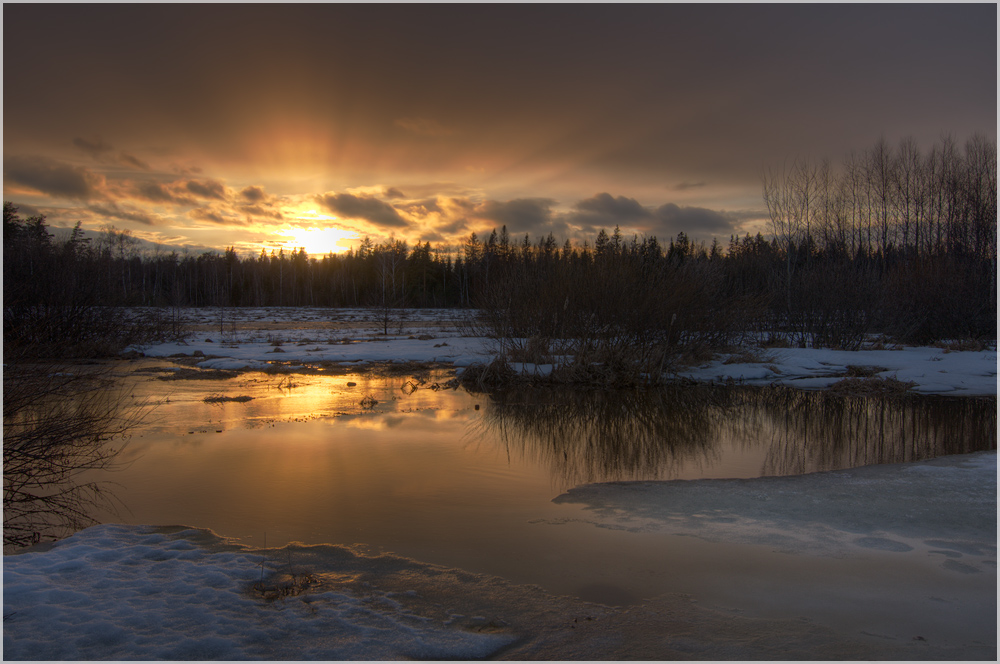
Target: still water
(467, 480)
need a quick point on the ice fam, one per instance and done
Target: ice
(116, 592)
(897, 507)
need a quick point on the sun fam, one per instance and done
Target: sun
(318, 241)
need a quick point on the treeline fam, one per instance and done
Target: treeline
(894, 241)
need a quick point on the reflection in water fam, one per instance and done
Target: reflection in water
(676, 432)
(58, 424)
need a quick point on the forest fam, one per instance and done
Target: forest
(893, 241)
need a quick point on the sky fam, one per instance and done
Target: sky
(259, 126)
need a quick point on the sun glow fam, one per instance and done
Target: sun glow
(318, 241)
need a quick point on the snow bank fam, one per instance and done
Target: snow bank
(934, 370)
(117, 592)
(945, 505)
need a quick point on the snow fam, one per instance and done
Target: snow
(114, 592)
(311, 336)
(934, 370)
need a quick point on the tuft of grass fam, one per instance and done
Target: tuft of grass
(219, 398)
(857, 371)
(958, 345)
(534, 351)
(199, 374)
(497, 373)
(368, 402)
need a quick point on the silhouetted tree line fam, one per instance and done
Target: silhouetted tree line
(894, 241)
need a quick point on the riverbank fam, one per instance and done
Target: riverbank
(300, 339)
(116, 592)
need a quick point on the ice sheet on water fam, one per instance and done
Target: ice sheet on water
(890, 507)
(116, 592)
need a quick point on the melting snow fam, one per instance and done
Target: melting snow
(116, 592)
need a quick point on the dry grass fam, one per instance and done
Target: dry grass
(199, 374)
(962, 345)
(284, 585)
(534, 351)
(219, 398)
(857, 371)
(776, 341)
(497, 373)
(749, 356)
(417, 369)
(874, 386)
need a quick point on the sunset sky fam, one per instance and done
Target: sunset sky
(261, 125)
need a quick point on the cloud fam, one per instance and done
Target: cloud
(253, 194)
(94, 148)
(605, 211)
(519, 214)
(424, 127)
(261, 211)
(619, 209)
(53, 177)
(99, 150)
(135, 162)
(210, 215)
(113, 211)
(370, 209)
(672, 219)
(207, 189)
(684, 186)
(392, 192)
(157, 193)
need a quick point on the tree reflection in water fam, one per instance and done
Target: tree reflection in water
(595, 436)
(59, 422)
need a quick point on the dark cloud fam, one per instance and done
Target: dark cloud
(454, 226)
(519, 214)
(94, 148)
(207, 189)
(685, 186)
(362, 207)
(392, 192)
(130, 160)
(262, 211)
(605, 210)
(24, 210)
(52, 177)
(210, 215)
(672, 219)
(253, 194)
(113, 211)
(157, 193)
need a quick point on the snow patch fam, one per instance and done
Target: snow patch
(116, 592)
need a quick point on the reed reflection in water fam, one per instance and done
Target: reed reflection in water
(678, 432)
